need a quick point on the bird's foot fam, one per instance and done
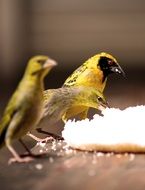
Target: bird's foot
(39, 140)
(52, 136)
(20, 159)
(25, 158)
(45, 140)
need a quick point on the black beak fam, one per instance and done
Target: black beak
(117, 69)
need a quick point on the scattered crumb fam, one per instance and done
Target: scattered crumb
(51, 160)
(126, 154)
(40, 151)
(100, 154)
(108, 154)
(39, 166)
(42, 144)
(53, 147)
(118, 155)
(132, 157)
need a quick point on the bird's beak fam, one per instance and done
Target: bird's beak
(117, 69)
(103, 105)
(49, 63)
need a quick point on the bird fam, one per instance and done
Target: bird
(58, 101)
(92, 73)
(25, 107)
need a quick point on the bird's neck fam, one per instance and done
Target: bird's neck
(93, 78)
(33, 81)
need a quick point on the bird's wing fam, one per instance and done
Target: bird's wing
(10, 120)
(6, 119)
(56, 101)
(73, 78)
(50, 107)
(12, 108)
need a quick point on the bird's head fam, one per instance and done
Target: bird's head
(40, 65)
(108, 64)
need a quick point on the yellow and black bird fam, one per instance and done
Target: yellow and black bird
(25, 107)
(92, 73)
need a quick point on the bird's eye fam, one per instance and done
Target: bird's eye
(100, 99)
(41, 61)
(110, 62)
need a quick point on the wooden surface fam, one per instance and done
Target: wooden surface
(64, 168)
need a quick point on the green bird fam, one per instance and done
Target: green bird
(58, 101)
(24, 109)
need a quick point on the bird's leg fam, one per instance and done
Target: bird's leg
(56, 137)
(26, 148)
(29, 151)
(16, 157)
(8, 142)
(39, 139)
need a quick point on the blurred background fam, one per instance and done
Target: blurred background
(71, 32)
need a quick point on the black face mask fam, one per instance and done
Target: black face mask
(108, 66)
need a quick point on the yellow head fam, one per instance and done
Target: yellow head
(39, 66)
(94, 72)
(106, 63)
(97, 99)
(89, 96)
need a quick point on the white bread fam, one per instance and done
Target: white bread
(116, 131)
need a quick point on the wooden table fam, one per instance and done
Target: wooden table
(64, 168)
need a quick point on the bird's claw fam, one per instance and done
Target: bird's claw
(45, 140)
(20, 160)
(51, 135)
